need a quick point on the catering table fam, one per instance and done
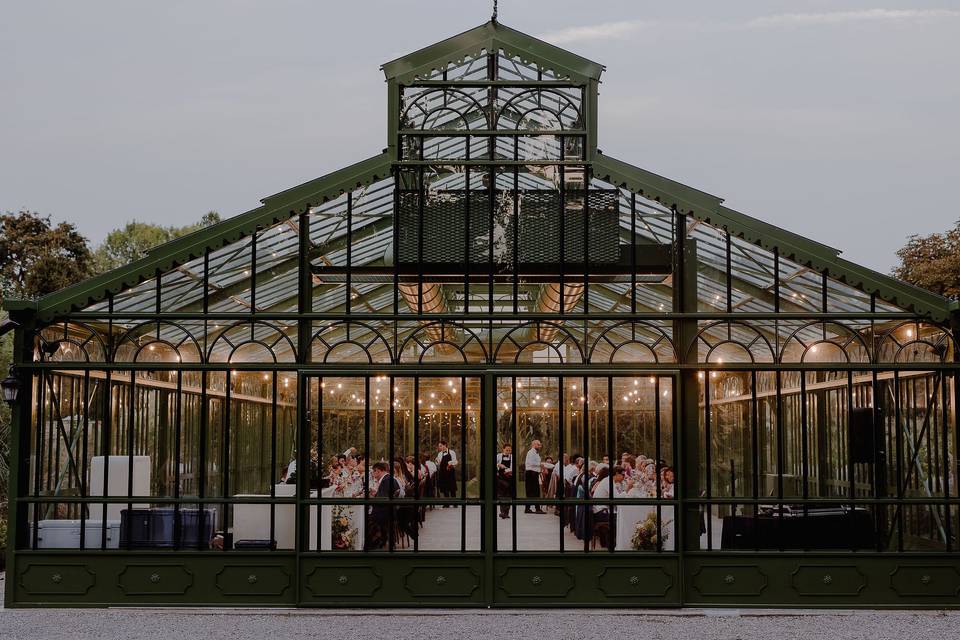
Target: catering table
(819, 528)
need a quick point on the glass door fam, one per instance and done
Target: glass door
(394, 464)
(585, 464)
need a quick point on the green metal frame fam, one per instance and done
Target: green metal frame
(689, 576)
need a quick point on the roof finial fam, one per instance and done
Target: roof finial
(493, 18)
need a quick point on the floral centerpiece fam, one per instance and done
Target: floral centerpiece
(647, 534)
(343, 535)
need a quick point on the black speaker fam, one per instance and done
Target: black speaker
(865, 431)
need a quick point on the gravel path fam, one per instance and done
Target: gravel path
(293, 624)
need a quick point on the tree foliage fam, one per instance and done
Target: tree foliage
(131, 242)
(932, 262)
(37, 257)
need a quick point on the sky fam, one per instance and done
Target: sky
(836, 120)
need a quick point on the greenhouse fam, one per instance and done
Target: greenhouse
(488, 366)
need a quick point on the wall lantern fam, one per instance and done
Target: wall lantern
(11, 387)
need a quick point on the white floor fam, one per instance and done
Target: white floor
(535, 532)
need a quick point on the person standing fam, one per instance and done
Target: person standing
(446, 471)
(531, 476)
(505, 478)
(378, 525)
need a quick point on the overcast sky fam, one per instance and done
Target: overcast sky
(837, 120)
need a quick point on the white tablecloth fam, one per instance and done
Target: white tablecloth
(629, 515)
(354, 513)
(252, 521)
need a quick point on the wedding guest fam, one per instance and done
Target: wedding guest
(531, 475)
(667, 479)
(629, 465)
(505, 478)
(548, 487)
(446, 471)
(379, 522)
(599, 490)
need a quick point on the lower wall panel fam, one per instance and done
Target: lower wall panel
(809, 580)
(624, 581)
(153, 579)
(537, 580)
(392, 581)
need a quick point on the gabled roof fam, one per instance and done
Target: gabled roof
(701, 205)
(492, 37)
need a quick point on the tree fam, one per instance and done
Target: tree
(37, 258)
(123, 246)
(932, 262)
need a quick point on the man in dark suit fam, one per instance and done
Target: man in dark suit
(378, 525)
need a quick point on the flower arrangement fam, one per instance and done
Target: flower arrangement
(647, 534)
(342, 535)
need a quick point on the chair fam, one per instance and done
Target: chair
(601, 535)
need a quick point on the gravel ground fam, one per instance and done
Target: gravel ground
(292, 624)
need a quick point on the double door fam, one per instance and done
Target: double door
(488, 487)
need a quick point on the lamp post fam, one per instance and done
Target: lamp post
(11, 387)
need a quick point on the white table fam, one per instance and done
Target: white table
(629, 515)
(354, 513)
(251, 521)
